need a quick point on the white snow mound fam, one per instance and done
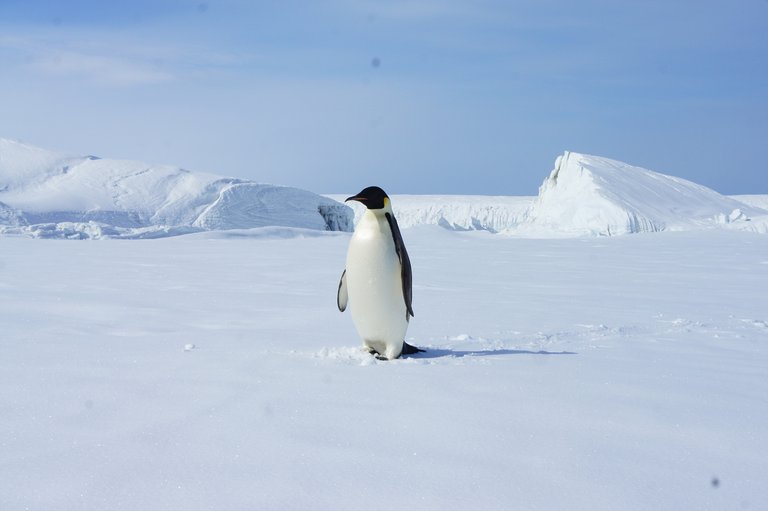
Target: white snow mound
(49, 194)
(592, 195)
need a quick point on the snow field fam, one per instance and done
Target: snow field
(590, 373)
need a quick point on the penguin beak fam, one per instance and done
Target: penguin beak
(355, 197)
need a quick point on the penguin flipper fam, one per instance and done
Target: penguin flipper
(406, 275)
(341, 294)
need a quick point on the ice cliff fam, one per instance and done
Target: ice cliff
(48, 194)
(455, 212)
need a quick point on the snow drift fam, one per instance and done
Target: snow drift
(591, 195)
(48, 194)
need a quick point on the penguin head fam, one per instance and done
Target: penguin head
(373, 197)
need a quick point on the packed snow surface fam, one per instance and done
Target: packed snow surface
(213, 371)
(47, 194)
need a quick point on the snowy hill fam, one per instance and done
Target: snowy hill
(591, 195)
(48, 194)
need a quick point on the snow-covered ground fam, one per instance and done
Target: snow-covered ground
(213, 371)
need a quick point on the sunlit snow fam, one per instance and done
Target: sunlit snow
(213, 371)
(564, 368)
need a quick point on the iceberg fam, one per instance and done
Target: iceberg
(49, 194)
(593, 195)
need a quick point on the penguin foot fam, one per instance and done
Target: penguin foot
(375, 353)
(410, 350)
(407, 350)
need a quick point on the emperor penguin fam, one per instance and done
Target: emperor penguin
(377, 279)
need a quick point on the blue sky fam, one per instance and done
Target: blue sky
(422, 96)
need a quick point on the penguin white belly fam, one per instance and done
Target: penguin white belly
(375, 288)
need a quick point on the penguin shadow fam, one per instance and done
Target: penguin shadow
(429, 353)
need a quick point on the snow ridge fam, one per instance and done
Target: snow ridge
(49, 194)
